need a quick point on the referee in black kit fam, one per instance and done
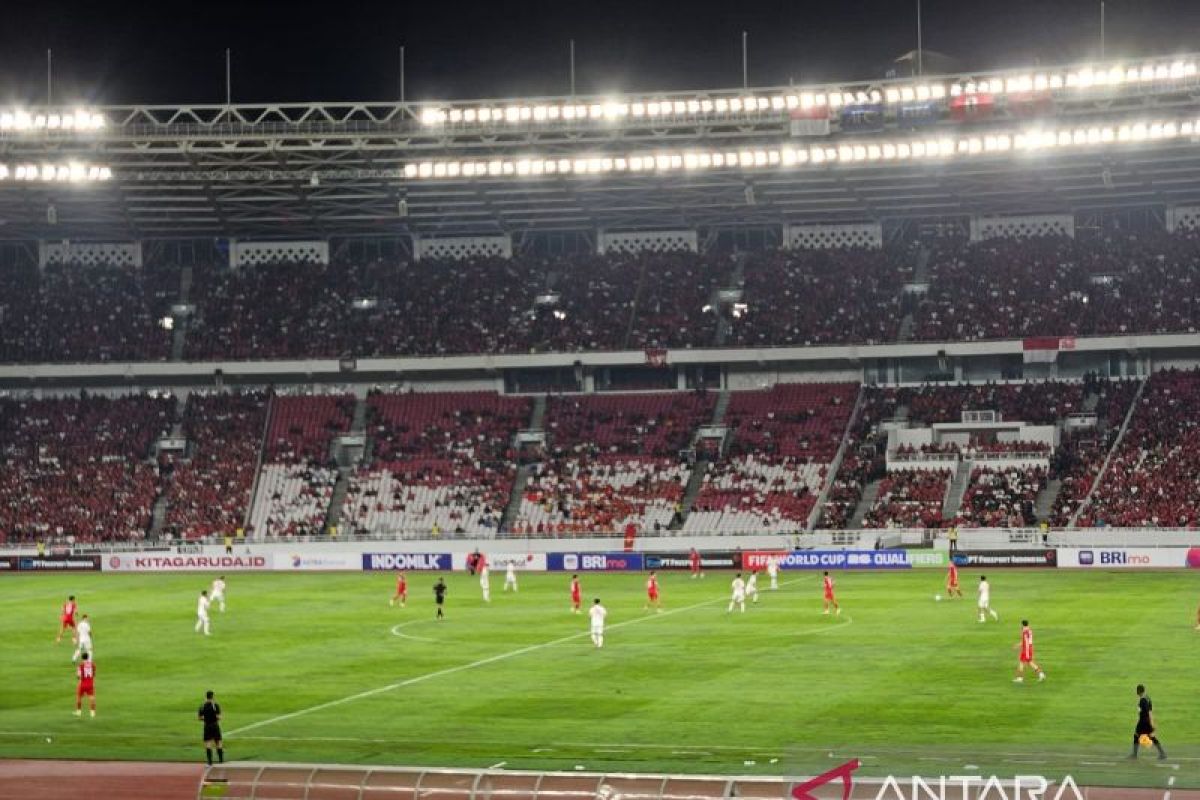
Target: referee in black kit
(1145, 724)
(210, 714)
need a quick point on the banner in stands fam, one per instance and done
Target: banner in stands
(58, 563)
(168, 562)
(1125, 557)
(828, 559)
(406, 561)
(594, 562)
(708, 560)
(8, 563)
(1006, 558)
(316, 561)
(498, 562)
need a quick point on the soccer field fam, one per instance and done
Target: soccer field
(318, 667)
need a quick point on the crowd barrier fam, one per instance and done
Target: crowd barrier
(253, 781)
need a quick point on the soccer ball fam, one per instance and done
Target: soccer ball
(937, 597)
(1144, 740)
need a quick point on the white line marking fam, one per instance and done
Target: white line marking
(847, 621)
(498, 765)
(396, 632)
(483, 662)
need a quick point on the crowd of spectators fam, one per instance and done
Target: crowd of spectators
(782, 442)
(865, 459)
(910, 498)
(1033, 402)
(82, 313)
(441, 462)
(209, 489)
(1003, 497)
(819, 297)
(613, 462)
(79, 469)
(1153, 478)
(1059, 286)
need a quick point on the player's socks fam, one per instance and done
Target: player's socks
(995, 616)
(208, 755)
(1041, 676)
(220, 755)
(839, 612)
(93, 712)
(77, 712)
(1019, 679)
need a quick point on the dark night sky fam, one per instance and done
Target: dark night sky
(172, 52)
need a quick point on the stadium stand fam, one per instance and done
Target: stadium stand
(295, 484)
(79, 469)
(441, 462)
(864, 460)
(613, 462)
(783, 442)
(1059, 286)
(820, 297)
(1002, 497)
(910, 498)
(1152, 478)
(78, 313)
(209, 490)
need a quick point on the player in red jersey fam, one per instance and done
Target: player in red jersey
(401, 591)
(1026, 648)
(576, 594)
(652, 592)
(85, 670)
(695, 563)
(830, 600)
(952, 588)
(67, 619)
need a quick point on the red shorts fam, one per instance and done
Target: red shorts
(952, 584)
(83, 689)
(68, 622)
(575, 599)
(1026, 658)
(652, 595)
(829, 595)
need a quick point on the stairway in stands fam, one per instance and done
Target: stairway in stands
(179, 336)
(358, 427)
(1043, 506)
(869, 495)
(958, 488)
(537, 421)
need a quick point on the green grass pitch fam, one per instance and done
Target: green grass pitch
(908, 684)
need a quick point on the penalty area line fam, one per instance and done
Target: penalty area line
(483, 662)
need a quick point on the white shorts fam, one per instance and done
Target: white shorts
(739, 598)
(984, 603)
(85, 645)
(218, 596)
(202, 617)
(597, 630)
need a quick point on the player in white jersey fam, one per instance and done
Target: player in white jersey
(773, 571)
(985, 600)
(597, 613)
(752, 586)
(218, 592)
(739, 594)
(485, 584)
(510, 577)
(83, 638)
(202, 613)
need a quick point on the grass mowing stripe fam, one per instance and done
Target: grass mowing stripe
(483, 662)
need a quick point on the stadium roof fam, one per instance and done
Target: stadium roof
(310, 170)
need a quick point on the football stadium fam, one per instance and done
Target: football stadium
(800, 439)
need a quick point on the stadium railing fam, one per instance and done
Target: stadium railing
(258, 781)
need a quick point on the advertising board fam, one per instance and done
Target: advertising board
(406, 561)
(178, 562)
(828, 559)
(1123, 557)
(301, 561)
(1005, 558)
(594, 562)
(708, 560)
